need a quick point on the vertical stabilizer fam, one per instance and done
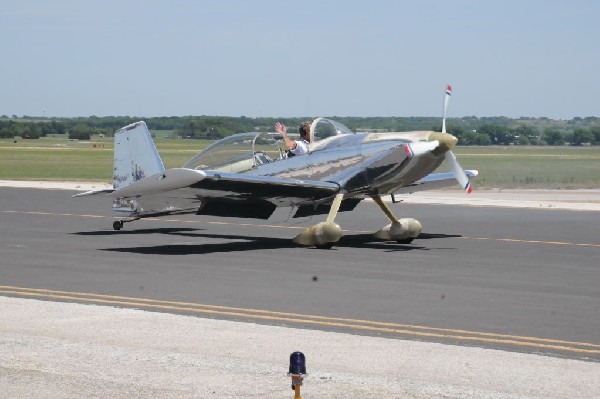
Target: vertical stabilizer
(135, 155)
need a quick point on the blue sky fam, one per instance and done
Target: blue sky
(299, 58)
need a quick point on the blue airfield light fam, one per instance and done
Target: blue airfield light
(297, 364)
(297, 372)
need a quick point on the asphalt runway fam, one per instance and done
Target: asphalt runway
(522, 280)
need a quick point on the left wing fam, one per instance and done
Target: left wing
(212, 184)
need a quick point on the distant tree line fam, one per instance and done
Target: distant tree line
(30, 130)
(543, 131)
(470, 130)
(526, 135)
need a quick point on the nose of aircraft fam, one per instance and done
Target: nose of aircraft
(446, 140)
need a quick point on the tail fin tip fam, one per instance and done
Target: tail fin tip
(135, 155)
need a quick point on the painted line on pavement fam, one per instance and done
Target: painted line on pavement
(352, 324)
(512, 240)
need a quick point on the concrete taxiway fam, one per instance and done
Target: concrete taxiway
(491, 282)
(65, 350)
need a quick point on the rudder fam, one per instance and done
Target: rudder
(135, 155)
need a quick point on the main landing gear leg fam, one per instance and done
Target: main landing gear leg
(323, 235)
(404, 231)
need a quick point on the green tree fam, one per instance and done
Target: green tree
(499, 135)
(553, 136)
(80, 132)
(7, 129)
(474, 138)
(596, 132)
(5, 132)
(524, 140)
(30, 131)
(582, 136)
(531, 132)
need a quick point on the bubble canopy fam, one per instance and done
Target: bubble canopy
(244, 151)
(238, 153)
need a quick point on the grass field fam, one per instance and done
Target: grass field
(499, 167)
(533, 167)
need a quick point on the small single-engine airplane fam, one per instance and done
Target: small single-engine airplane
(248, 175)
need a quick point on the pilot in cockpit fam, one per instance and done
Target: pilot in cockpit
(296, 147)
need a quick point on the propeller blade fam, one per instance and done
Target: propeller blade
(459, 173)
(446, 101)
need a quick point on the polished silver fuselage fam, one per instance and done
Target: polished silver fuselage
(357, 163)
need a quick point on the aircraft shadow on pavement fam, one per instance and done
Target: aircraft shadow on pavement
(164, 230)
(429, 236)
(242, 243)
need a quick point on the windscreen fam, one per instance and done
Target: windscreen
(322, 128)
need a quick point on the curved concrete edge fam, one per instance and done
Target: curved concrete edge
(56, 185)
(67, 350)
(576, 200)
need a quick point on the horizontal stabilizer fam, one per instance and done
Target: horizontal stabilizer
(94, 192)
(168, 180)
